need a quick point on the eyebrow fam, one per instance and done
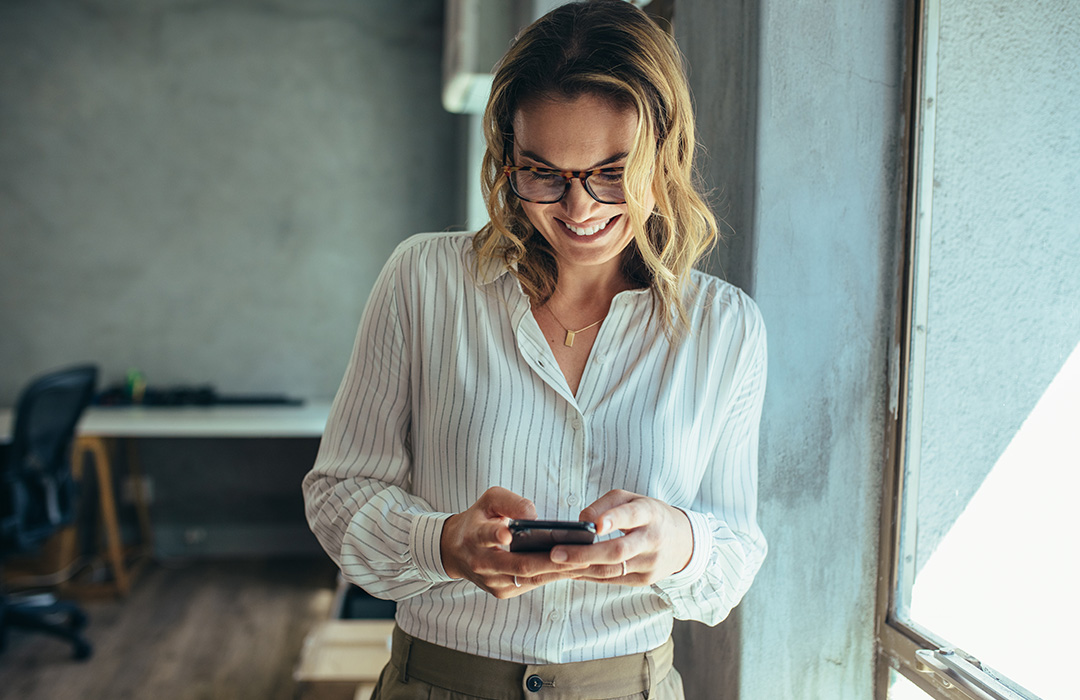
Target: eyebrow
(534, 156)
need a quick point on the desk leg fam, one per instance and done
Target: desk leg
(114, 550)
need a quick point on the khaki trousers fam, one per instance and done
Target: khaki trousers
(419, 670)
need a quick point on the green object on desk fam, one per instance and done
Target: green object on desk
(136, 385)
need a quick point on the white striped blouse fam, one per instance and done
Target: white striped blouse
(452, 388)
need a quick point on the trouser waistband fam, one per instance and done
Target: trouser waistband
(495, 679)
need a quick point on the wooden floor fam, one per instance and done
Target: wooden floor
(202, 631)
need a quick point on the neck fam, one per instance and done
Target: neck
(586, 287)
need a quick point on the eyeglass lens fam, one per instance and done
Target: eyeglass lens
(604, 187)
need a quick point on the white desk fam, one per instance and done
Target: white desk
(100, 427)
(307, 420)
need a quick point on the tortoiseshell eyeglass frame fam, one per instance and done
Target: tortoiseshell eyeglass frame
(568, 175)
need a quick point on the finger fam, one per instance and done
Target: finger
(494, 533)
(610, 573)
(551, 577)
(595, 511)
(628, 580)
(526, 564)
(503, 586)
(613, 551)
(635, 513)
(498, 502)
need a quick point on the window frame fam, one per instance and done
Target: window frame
(897, 644)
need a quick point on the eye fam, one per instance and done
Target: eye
(608, 177)
(544, 177)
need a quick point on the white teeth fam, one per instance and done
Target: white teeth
(589, 230)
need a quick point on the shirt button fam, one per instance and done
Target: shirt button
(571, 500)
(534, 683)
(576, 424)
(555, 616)
(601, 359)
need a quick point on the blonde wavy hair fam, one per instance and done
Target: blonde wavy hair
(613, 50)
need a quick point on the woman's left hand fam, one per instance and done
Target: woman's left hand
(657, 541)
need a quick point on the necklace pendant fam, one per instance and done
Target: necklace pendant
(569, 342)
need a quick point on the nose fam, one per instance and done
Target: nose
(578, 203)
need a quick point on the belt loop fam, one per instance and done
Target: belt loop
(406, 651)
(650, 670)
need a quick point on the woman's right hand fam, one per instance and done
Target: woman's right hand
(474, 547)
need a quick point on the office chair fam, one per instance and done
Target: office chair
(37, 495)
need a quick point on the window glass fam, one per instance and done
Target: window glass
(901, 688)
(990, 547)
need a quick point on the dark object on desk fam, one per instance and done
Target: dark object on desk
(188, 396)
(37, 495)
(358, 604)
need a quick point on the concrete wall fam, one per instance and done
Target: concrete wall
(720, 43)
(205, 191)
(799, 107)
(829, 162)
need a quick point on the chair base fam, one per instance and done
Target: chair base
(44, 613)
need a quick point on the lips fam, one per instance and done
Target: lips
(589, 231)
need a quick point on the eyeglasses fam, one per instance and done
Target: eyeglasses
(548, 185)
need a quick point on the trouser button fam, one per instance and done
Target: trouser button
(534, 683)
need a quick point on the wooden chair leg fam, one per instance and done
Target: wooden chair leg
(114, 549)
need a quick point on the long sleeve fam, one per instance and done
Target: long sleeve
(729, 547)
(452, 388)
(357, 500)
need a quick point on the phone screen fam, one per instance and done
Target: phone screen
(542, 535)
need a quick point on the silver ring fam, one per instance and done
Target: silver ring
(624, 568)
(516, 584)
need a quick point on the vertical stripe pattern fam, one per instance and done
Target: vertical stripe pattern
(451, 389)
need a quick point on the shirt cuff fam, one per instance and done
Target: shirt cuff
(699, 560)
(425, 544)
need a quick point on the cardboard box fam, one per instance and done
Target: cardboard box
(342, 659)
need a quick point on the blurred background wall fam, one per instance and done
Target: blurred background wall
(206, 191)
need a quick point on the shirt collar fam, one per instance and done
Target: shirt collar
(492, 269)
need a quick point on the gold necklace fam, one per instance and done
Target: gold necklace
(569, 340)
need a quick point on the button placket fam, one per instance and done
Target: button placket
(577, 483)
(533, 348)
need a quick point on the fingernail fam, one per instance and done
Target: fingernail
(606, 527)
(558, 555)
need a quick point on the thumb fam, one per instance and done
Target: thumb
(498, 502)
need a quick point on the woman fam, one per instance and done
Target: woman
(566, 362)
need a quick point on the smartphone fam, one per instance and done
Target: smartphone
(542, 535)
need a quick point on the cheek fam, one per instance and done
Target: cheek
(534, 213)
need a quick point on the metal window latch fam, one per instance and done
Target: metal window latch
(956, 669)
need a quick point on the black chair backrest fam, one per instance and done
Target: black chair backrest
(37, 491)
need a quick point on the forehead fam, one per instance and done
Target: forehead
(574, 133)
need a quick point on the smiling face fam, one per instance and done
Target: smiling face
(582, 133)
